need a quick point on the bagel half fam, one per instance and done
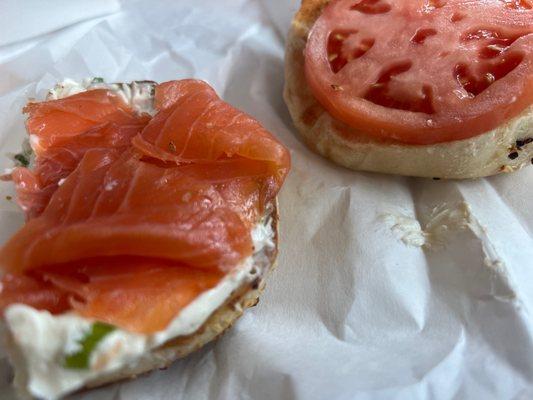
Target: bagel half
(504, 149)
(24, 329)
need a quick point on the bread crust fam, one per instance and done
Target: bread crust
(504, 149)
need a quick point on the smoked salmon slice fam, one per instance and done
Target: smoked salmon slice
(54, 120)
(149, 214)
(196, 126)
(117, 291)
(115, 204)
(27, 289)
(36, 186)
(140, 295)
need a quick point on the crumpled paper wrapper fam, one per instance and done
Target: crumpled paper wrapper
(22, 20)
(387, 287)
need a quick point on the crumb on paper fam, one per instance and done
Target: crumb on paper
(506, 169)
(442, 221)
(406, 228)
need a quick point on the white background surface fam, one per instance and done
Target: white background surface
(351, 312)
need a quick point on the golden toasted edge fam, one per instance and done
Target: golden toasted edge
(490, 153)
(309, 12)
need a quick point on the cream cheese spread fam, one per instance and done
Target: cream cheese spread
(138, 94)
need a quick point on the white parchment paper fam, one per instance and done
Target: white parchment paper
(355, 309)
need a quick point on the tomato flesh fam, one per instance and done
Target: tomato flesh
(422, 71)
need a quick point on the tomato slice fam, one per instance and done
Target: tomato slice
(422, 71)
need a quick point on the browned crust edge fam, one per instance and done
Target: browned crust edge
(309, 11)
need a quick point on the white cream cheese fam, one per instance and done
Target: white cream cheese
(139, 94)
(44, 340)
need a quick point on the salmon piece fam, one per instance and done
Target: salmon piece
(118, 205)
(244, 184)
(36, 186)
(32, 195)
(30, 290)
(194, 126)
(140, 295)
(54, 120)
(137, 294)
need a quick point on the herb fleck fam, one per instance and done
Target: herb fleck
(25, 157)
(513, 155)
(80, 359)
(97, 80)
(9, 198)
(172, 146)
(506, 168)
(22, 159)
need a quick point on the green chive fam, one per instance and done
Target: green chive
(81, 358)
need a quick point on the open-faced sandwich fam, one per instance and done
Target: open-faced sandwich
(434, 88)
(151, 224)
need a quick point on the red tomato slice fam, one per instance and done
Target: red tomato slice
(422, 71)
